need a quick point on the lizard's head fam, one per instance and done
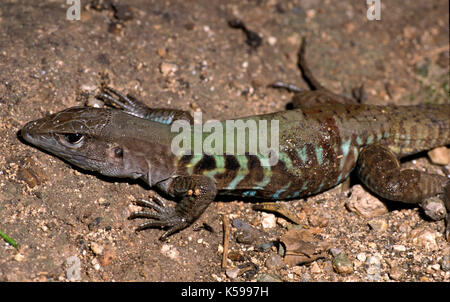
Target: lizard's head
(80, 136)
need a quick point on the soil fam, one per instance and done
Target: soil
(185, 55)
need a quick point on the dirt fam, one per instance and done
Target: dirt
(184, 54)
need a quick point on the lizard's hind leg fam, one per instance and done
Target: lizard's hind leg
(379, 169)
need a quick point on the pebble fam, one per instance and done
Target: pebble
(268, 221)
(440, 156)
(248, 234)
(364, 204)
(396, 273)
(436, 266)
(170, 251)
(425, 238)
(342, 265)
(87, 87)
(399, 248)
(445, 263)
(378, 224)
(274, 262)
(374, 268)
(268, 278)
(96, 248)
(315, 268)
(272, 41)
(168, 68)
(19, 257)
(335, 251)
(232, 272)
(161, 52)
(361, 257)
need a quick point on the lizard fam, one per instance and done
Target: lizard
(321, 141)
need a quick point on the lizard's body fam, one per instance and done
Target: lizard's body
(320, 143)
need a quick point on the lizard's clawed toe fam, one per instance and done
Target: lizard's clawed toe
(162, 216)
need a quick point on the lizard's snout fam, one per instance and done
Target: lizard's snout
(26, 131)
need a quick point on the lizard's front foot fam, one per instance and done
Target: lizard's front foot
(163, 216)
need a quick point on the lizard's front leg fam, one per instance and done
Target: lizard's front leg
(196, 193)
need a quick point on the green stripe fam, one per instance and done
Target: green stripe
(302, 154)
(242, 172)
(220, 166)
(194, 160)
(264, 161)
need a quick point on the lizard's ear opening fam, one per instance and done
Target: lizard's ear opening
(71, 140)
(115, 154)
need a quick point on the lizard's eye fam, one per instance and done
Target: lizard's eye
(71, 139)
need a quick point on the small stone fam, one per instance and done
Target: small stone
(378, 224)
(168, 68)
(335, 251)
(445, 263)
(274, 262)
(170, 251)
(87, 87)
(268, 278)
(372, 245)
(161, 52)
(315, 268)
(396, 273)
(19, 257)
(374, 268)
(232, 272)
(269, 221)
(440, 156)
(310, 13)
(364, 204)
(425, 238)
(436, 266)
(248, 234)
(342, 265)
(272, 41)
(399, 248)
(96, 248)
(361, 257)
